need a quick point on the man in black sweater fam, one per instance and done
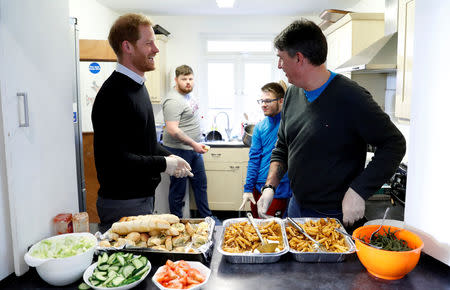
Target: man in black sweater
(327, 122)
(128, 158)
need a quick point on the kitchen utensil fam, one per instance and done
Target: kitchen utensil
(317, 246)
(355, 238)
(390, 265)
(382, 222)
(265, 247)
(248, 133)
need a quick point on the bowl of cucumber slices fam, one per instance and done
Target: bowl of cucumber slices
(116, 271)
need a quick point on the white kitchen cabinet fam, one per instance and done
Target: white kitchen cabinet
(351, 34)
(226, 170)
(404, 58)
(156, 80)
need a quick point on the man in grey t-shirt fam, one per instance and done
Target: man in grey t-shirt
(181, 137)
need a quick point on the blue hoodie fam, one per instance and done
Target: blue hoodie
(263, 141)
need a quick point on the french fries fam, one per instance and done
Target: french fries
(241, 237)
(322, 231)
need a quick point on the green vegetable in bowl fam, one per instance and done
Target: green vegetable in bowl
(118, 269)
(388, 241)
(62, 248)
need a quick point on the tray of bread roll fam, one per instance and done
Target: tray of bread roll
(163, 236)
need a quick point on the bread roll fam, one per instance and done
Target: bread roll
(144, 224)
(169, 217)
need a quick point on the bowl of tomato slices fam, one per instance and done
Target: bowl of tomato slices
(181, 275)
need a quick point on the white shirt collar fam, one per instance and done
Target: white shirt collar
(129, 73)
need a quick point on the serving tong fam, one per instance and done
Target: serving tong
(317, 245)
(355, 238)
(265, 246)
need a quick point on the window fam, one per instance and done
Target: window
(235, 71)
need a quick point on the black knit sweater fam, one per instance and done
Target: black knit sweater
(324, 144)
(127, 157)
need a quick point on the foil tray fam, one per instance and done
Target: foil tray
(253, 258)
(318, 257)
(203, 253)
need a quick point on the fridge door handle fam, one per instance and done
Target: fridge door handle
(26, 122)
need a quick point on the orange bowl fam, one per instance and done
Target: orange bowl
(389, 265)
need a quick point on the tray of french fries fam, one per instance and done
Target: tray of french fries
(239, 242)
(335, 246)
(163, 235)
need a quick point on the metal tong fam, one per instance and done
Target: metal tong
(265, 247)
(317, 246)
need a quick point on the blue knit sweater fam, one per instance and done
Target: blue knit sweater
(263, 141)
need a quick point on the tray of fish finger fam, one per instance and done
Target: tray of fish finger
(239, 242)
(161, 236)
(334, 247)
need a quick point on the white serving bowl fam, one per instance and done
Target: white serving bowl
(62, 271)
(205, 271)
(88, 273)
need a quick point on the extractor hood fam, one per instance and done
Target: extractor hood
(380, 57)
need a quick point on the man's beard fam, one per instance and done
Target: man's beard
(185, 91)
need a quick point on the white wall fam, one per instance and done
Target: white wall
(428, 190)
(94, 19)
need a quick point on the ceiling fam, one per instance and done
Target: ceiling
(241, 7)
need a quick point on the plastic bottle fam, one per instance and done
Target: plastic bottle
(80, 222)
(63, 223)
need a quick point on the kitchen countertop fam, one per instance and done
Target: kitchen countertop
(285, 274)
(234, 143)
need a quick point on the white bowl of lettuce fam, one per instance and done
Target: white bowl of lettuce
(62, 259)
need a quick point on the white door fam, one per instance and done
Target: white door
(36, 59)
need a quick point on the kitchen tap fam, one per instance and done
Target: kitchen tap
(227, 129)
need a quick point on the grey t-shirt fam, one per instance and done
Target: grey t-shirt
(184, 109)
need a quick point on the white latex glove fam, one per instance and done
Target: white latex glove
(264, 201)
(177, 166)
(247, 196)
(353, 206)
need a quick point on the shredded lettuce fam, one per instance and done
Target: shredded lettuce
(62, 248)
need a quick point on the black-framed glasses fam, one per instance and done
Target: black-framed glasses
(266, 101)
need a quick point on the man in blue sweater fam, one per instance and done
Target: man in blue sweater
(263, 141)
(327, 122)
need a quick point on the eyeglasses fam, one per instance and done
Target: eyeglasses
(266, 101)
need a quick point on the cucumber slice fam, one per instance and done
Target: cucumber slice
(141, 272)
(95, 282)
(112, 258)
(112, 273)
(128, 270)
(84, 286)
(131, 280)
(114, 268)
(105, 283)
(121, 260)
(144, 260)
(117, 281)
(137, 264)
(100, 277)
(103, 267)
(102, 259)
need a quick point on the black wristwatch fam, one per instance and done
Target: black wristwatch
(268, 186)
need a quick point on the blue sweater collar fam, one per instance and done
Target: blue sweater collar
(275, 118)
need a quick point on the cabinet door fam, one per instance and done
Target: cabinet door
(156, 80)
(224, 186)
(404, 58)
